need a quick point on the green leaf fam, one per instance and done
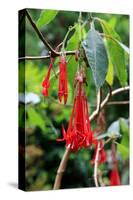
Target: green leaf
(116, 52)
(117, 129)
(124, 129)
(123, 46)
(124, 151)
(35, 119)
(114, 130)
(46, 17)
(110, 74)
(124, 126)
(97, 56)
(34, 77)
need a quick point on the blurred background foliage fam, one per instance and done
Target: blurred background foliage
(44, 116)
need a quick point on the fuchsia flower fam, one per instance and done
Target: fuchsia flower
(102, 154)
(79, 132)
(46, 82)
(114, 175)
(63, 87)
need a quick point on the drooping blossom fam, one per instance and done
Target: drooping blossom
(114, 175)
(102, 154)
(46, 81)
(79, 132)
(63, 86)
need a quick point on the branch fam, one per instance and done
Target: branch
(47, 56)
(107, 98)
(61, 169)
(34, 57)
(96, 165)
(118, 103)
(40, 34)
(99, 99)
(96, 112)
(52, 51)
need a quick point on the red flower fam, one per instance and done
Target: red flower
(46, 82)
(79, 132)
(102, 154)
(114, 177)
(63, 88)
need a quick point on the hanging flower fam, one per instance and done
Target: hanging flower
(114, 177)
(79, 132)
(46, 82)
(102, 154)
(63, 87)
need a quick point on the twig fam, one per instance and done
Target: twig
(61, 169)
(107, 98)
(96, 165)
(107, 141)
(100, 179)
(66, 36)
(92, 117)
(118, 103)
(99, 99)
(52, 51)
(47, 56)
(40, 34)
(96, 162)
(34, 57)
(96, 112)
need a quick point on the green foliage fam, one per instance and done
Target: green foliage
(35, 119)
(110, 74)
(46, 17)
(116, 52)
(34, 77)
(123, 46)
(124, 151)
(123, 147)
(97, 56)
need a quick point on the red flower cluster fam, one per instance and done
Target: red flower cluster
(46, 82)
(63, 88)
(79, 132)
(102, 154)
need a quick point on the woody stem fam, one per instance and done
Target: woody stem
(106, 100)
(96, 165)
(61, 169)
(45, 42)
